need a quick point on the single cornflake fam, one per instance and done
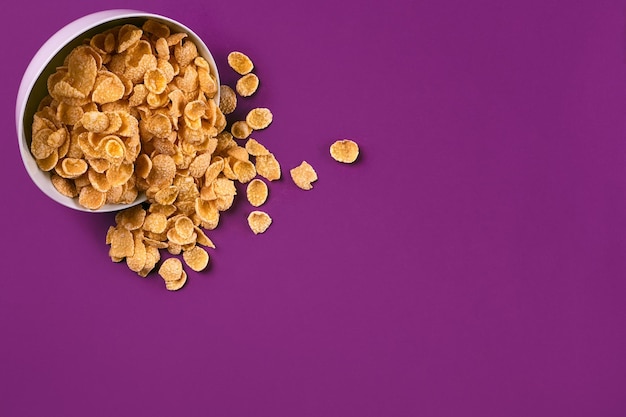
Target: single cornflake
(64, 186)
(247, 85)
(268, 167)
(196, 258)
(131, 218)
(240, 129)
(259, 118)
(259, 221)
(254, 148)
(122, 243)
(91, 198)
(240, 62)
(244, 170)
(303, 175)
(257, 192)
(155, 222)
(345, 151)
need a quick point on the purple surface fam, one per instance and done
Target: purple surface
(471, 264)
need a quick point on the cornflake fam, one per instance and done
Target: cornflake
(240, 62)
(259, 118)
(259, 221)
(247, 85)
(254, 148)
(303, 175)
(268, 167)
(196, 258)
(345, 151)
(241, 129)
(257, 192)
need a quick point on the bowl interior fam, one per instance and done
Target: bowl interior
(28, 104)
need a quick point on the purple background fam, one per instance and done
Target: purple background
(470, 264)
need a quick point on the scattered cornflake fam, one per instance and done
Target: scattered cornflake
(254, 148)
(268, 167)
(259, 221)
(240, 62)
(196, 258)
(257, 192)
(345, 151)
(134, 110)
(247, 85)
(303, 175)
(259, 118)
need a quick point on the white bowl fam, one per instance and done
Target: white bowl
(33, 87)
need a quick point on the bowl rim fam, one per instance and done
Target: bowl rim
(38, 65)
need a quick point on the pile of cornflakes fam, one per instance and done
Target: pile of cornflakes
(134, 110)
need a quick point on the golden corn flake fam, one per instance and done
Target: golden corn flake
(259, 118)
(178, 284)
(196, 258)
(259, 221)
(240, 129)
(156, 28)
(128, 36)
(163, 170)
(91, 198)
(345, 151)
(184, 227)
(49, 163)
(120, 174)
(238, 153)
(155, 81)
(108, 88)
(122, 243)
(166, 196)
(247, 85)
(303, 175)
(244, 171)
(207, 212)
(155, 222)
(98, 181)
(132, 218)
(64, 186)
(254, 148)
(268, 167)
(240, 62)
(171, 269)
(143, 166)
(200, 165)
(173, 247)
(257, 192)
(228, 99)
(185, 52)
(203, 239)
